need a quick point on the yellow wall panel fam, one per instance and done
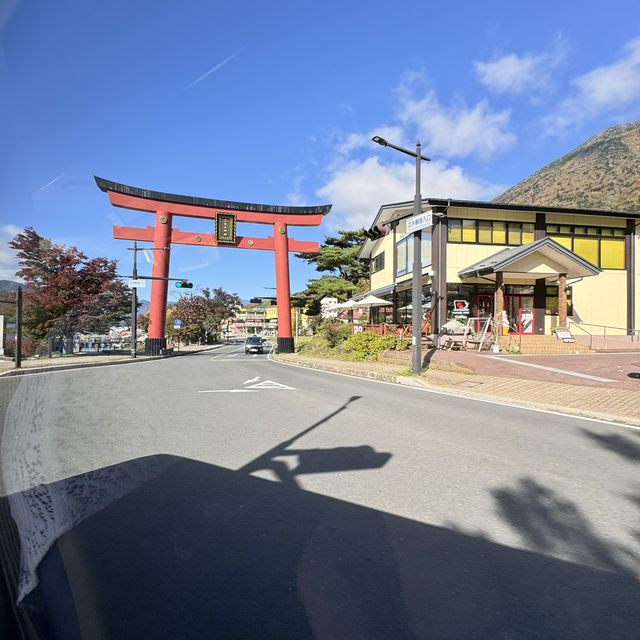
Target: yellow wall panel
(587, 221)
(491, 214)
(460, 256)
(601, 300)
(537, 263)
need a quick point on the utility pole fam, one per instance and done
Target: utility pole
(18, 342)
(416, 286)
(134, 297)
(19, 328)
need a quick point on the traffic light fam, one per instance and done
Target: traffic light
(377, 231)
(184, 284)
(255, 300)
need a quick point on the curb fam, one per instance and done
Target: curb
(86, 365)
(423, 384)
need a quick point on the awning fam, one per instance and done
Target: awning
(543, 258)
(381, 290)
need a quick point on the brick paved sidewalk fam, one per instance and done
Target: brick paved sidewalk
(615, 404)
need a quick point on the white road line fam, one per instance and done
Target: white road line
(229, 391)
(540, 366)
(252, 380)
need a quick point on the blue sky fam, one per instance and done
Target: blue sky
(276, 102)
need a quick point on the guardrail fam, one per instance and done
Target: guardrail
(634, 333)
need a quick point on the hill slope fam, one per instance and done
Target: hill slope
(602, 173)
(7, 286)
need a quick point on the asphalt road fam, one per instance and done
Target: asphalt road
(225, 495)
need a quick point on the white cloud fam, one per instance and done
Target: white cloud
(8, 260)
(356, 141)
(514, 74)
(457, 131)
(613, 85)
(358, 184)
(360, 188)
(608, 88)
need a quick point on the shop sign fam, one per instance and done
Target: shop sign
(460, 308)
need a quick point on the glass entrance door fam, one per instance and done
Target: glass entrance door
(520, 314)
(485, 310)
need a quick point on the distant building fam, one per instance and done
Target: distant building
(326, 305)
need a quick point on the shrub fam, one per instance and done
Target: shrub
(332, 334)
(344, 332)
(367, 345)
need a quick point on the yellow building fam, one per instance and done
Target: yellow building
(545, 267)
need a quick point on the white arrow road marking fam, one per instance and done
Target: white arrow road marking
(252, 380)
(267, 384)
(270, 384)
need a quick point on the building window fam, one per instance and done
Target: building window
(601, 246)
(551, 300)
(490, 232)
(377, 263)
(404, 250)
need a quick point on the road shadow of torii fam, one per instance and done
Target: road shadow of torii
(316, 460)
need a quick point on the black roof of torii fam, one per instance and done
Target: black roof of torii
(107, 185)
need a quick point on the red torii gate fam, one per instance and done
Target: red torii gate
(167, 205)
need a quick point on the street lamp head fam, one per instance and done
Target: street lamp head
(380, 140)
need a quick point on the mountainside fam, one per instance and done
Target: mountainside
(602, 173)
(7, 286)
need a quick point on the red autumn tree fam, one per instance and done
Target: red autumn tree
(201, 315)
(65, 291)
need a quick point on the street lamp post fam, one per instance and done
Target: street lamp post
(416, 288)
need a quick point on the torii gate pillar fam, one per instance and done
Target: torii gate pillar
(283, 299)
(166, 206)
(160, 269)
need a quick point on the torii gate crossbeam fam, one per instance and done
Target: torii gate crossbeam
(166, 206)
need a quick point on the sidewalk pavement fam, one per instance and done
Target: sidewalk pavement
(501, 379)
(81, 360)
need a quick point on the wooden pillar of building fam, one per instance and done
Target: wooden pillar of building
(499, 305)
(562, 301)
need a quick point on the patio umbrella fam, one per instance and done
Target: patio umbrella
(349, 304)
(409, 307)
(373, 301)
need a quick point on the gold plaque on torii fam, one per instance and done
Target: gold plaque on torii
(225, 228)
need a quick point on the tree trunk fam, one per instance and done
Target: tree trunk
(69, 341)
